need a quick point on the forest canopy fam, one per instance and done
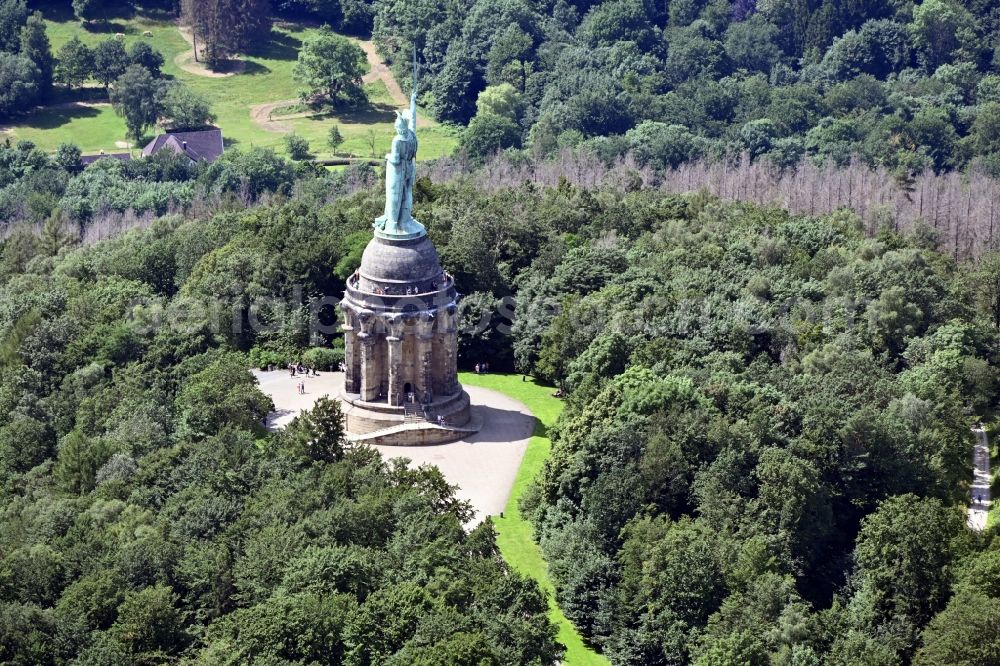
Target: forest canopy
(901, 84)
(760, 407)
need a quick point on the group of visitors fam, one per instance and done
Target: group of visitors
(298, 368)
(482, 368)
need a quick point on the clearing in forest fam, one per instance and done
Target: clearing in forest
(261, 80)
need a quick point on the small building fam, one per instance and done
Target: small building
(87, 160)
(198, 146)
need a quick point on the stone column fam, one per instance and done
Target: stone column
(351, 384)
(369, 368)
(425, 357)
(396, 329)
(450, 354)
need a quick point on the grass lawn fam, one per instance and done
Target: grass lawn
(993, 433)
(267, 78)
(514, 533)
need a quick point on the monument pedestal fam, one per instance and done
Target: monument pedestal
(446, 419)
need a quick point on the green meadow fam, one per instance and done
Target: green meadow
(265, 79)
(514, 533)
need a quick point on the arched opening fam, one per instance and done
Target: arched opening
(407, 390)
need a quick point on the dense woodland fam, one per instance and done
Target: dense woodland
(762, 458)
(901, 85)
(146, 517)
(765, 450)
(904, 85)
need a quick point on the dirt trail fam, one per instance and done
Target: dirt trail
(187, 62)
(378, 71)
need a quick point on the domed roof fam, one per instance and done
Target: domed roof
(413, 260)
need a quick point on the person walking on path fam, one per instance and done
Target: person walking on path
(980, 491)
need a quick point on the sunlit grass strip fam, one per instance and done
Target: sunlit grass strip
(993, 517)
(514, 533)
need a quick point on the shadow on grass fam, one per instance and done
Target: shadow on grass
(61, 95)
(368, 115)
(60, 12)
(280, 46)
(254, 68)
(53, 118)
(155, 13)
(108, 27)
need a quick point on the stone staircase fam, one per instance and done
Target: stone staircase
(413, 413)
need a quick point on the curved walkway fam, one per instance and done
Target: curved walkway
(377, 71)
(189, 64)
(979, 507)
(483, 466)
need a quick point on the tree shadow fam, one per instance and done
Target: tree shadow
(109, 27)
(61, 95)
(366, 115)
(53, 118)
(254, 68)
(58, 12)
(278, 46)
(155, 13)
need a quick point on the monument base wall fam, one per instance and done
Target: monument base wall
(381, 423)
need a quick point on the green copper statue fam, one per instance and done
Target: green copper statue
(400, 173)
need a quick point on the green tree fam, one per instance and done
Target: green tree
(185, 109)
(966, 632)
(904, 563)
(297, 146)
(249, 172)
(488, 134)
(318, 434)
(616, 21)
(110, 61)
(78, 460)
(334, 138)
(35, 46)
(137, 96)
(739, 648)
(99, 10)
(222, 28)
(751, 44)
(330, 66)
(503, 100)
(455, 87)
(19, 84)
(148, 624)
(939, 28)
(68, 158)
(223, 394)
(13, 14)
(143, 54)
(74, 63)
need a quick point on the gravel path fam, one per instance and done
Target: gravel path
(483, 466)
(980, 504)
(378, 71)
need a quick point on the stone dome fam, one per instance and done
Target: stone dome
(399, 261)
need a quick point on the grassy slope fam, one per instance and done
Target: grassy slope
(514, 533)
(268, 78)
(993, 432)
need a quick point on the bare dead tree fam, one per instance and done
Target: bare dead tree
(962, 207)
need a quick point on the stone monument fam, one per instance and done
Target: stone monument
(401, 322)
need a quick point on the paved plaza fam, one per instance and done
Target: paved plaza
(483, 465)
